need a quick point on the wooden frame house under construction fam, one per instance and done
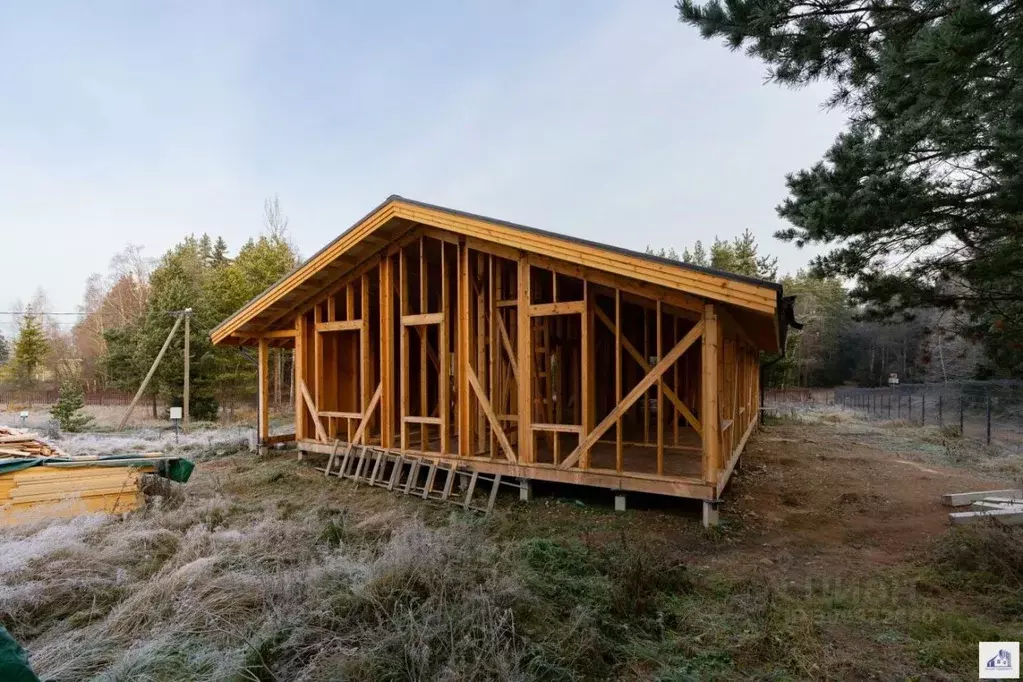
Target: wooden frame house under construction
(509, 350)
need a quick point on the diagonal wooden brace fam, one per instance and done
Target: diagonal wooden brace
(638, 357)
(645, 383)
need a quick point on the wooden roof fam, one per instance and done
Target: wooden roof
(274, 309)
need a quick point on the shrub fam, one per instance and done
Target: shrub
(70, 401)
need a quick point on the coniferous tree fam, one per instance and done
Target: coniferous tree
(922, 193)
(5, 350)
(30, 349)
(698, 256)
(67, 411)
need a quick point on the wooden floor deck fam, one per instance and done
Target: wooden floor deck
(681, 477)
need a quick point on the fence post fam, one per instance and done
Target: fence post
(941, 421)
(923, 409)
(889, 405)
(898, 410)
(989, 419)
(962, 432)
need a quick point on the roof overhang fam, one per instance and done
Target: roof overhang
(274, 309)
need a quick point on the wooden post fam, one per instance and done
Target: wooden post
(709, 416)
(525, 353)
(660, 398)
(444, 373)
(404, 350)
(386, 353)
(646, 358)
(464, 397)
(300, 360)
(186, 372)
(493, 346)
(587, 390)
(619, 437)
(424, 398)
(263, 370)
(366, 370)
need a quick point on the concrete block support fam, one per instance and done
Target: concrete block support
(525, 490)
(620, 502)
(710, 514)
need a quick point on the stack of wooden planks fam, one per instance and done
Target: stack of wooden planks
(38, 480)
(18, 443)
(62, 491)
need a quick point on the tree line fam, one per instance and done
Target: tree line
(841, 343)
(920, 196)
(128, 312)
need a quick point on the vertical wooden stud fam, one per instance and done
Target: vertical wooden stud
(264, 389)
(444, 378)
(619, 436)
(366, 384)
(675, 382)
(424, 358)
(660, 395)
(404, 351)
(299, 369)
(386, 353)
(709, 416)
(586, 371)
(493, 348)
(525, 353)
(646, 358)
(464, 397)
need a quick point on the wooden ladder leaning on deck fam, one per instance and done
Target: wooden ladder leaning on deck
(397, 472)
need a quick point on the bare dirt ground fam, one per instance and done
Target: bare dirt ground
(834, 560)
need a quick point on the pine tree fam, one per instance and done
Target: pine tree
(219, 252)
(923, 190)
(30, 349)
(5, 350)
(698, 256)
(70, 401)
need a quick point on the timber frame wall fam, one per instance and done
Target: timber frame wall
(465, 350)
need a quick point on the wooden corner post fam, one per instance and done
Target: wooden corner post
(386, 352)
(263, 431)
(300, 351)
(525, 352)
(709, 417)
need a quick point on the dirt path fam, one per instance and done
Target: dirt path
(816, 497)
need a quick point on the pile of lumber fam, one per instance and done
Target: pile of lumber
(50, 491)
(39, 480)
(18, 443)
(999, 506)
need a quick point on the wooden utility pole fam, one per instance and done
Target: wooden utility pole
(187, 314)
(149, 376)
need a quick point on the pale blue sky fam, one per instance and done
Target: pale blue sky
(143, 121)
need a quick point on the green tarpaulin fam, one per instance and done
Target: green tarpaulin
(13, 661)
(174, 468)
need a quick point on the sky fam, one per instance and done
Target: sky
(127, 122)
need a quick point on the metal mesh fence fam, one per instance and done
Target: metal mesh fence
(990, 411)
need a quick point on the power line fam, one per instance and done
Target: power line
(15, 312)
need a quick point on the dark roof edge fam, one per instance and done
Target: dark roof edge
(516, 226)
(756, 281)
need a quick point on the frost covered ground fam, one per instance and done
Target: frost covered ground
(153, 437)
(834, 561)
